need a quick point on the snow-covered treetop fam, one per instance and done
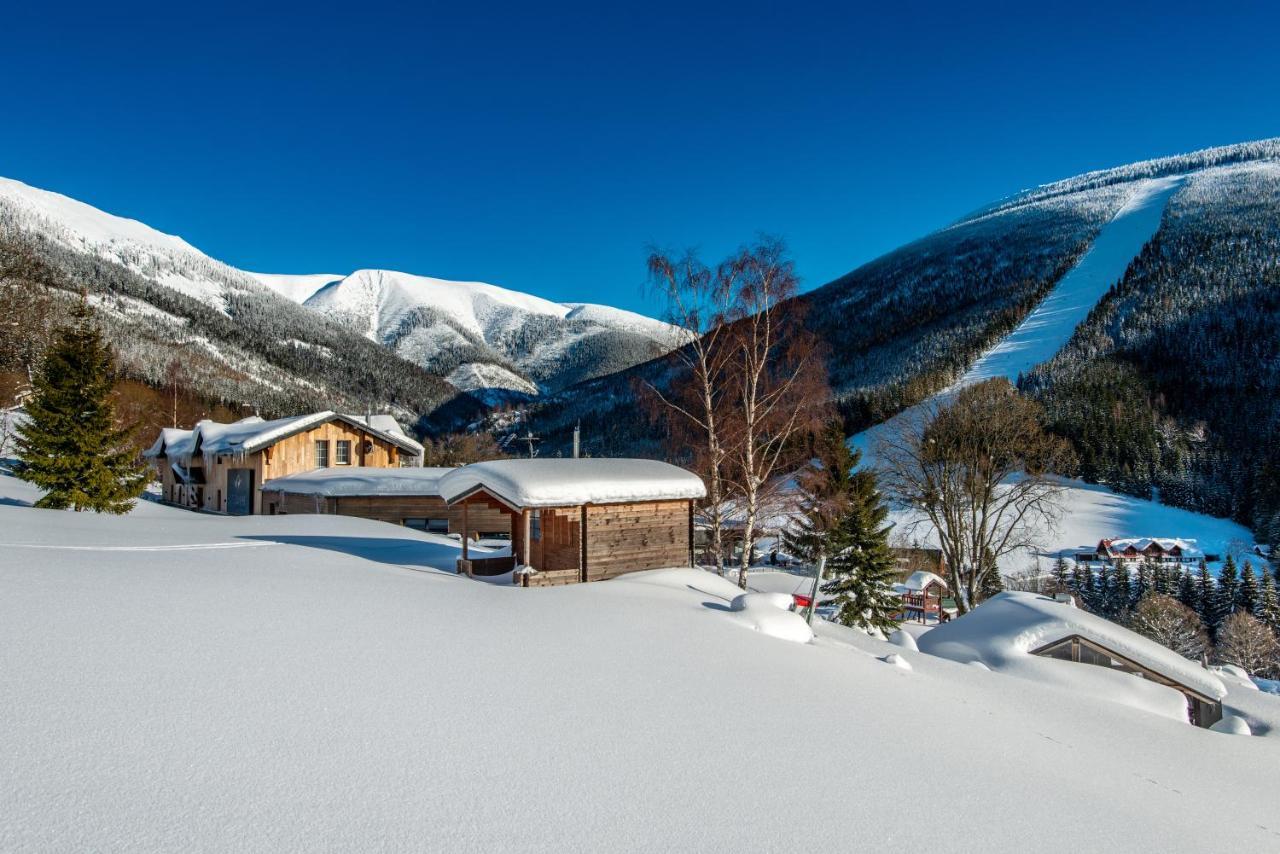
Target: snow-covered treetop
(571, 482)
(1011, 625)
(360, 480)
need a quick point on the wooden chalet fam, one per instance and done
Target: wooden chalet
(575, 520)
(219, 467)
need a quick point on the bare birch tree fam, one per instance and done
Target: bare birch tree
(778, 382)
(700, 305)
(978, 468)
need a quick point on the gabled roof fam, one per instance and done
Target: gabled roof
(919, 580)
(360, 480)
(571, 482)
(1016, 623)
(252, 434)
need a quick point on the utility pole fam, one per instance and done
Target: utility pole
(530, 439)
(577, 440)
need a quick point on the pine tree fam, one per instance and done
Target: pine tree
(843, 519)
(863, 570)
(1062, 576)
(70, 446)
(1146, 581)
(1269, 604)
(1228, 588)
(1162, 581)
(1207, 596)
(1088, 587)
(1247, 595)
(1121, 591)
(1187, 591)
(992, 583)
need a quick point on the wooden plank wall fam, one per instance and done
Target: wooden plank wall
(630, 537)
(392, 508)
(558, 548)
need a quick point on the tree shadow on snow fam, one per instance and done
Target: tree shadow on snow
(394, 551)
(15, 502)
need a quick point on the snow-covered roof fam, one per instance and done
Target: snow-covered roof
(172, 442)
(570, 482)
(920, 579)
(213, 438)
(360, 480)
(1012, 624)
(1141, 544)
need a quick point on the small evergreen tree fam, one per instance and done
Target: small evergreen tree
(1121, 591)
(1247, 595)
(863, 571)
(1207, 598)
(1162, 581)
(1062, 576)
(1187, 591)
(1146, 581)
(1087, 585)
(70, 446)
(1228, 588)
(1269, 604)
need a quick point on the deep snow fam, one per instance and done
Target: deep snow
(183, 681)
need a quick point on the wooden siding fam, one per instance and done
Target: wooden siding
(390, 508)
(630, 537)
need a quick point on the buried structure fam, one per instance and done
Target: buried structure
(1052, 640)
(575, 520)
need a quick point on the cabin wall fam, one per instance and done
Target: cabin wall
(390, 508)
(558, 545)
(625, 538)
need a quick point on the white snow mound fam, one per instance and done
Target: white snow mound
(768, 614)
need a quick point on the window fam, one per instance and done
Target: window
(322, 453)
(535, 525)
(431, 526)
(343, 453)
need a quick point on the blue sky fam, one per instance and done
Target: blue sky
(543, 147)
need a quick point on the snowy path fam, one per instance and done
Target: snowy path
(1049, 327)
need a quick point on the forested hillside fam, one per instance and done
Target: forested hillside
(1173, 382)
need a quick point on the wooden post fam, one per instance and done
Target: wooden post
(582, 545)
(466, 529)
(691, 557)
(525, 516)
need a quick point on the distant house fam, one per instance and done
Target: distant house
(402, 496)
(220, 467)
(575, 520)
(1131, 551)
(1015, 627)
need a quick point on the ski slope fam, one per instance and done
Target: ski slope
(1048, 328)
(331, 686)
(1090, 512)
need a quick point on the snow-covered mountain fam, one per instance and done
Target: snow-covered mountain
(478, 335)
(280, 343)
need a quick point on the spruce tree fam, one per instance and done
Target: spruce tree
(70, 446)
(1062, 576)
(1228, 588)
(1088, 586)
(1269, 604)
(1187, 591)
(1162, 581)
(1247, 595)
(1122, 591)
(862, 569)
(1146, 581)
(1207, 596)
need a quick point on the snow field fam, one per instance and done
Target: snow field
(334, 689)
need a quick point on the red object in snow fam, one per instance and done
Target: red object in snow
(802, 601)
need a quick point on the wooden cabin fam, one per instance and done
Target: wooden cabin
(403, 496)
(219, 467)
(576, 520)
(1013, 628)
